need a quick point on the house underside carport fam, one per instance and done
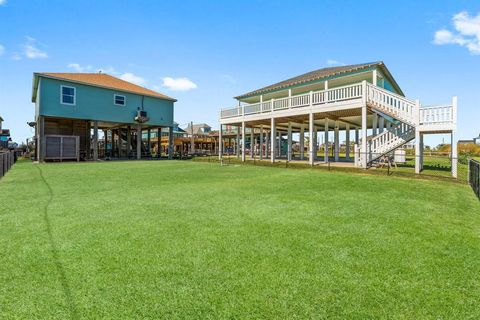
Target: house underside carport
(80, 139)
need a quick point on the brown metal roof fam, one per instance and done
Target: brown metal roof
(319, 74)
(104, 80)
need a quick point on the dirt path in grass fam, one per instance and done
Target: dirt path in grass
(54, 250)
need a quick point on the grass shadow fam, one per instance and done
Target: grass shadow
(55, 252)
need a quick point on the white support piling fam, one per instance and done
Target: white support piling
(325, 155)
(336, 138)
(347, 142)
(310, 139)
(302, 142)
(243, 141)
(289, 142)
(273, 135)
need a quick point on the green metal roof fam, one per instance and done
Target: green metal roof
(321, 74)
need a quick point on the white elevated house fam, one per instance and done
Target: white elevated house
(364, 98)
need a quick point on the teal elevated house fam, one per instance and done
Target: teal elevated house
(74, 111)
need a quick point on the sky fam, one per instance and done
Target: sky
(204, 53)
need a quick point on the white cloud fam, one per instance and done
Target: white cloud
(178, 84)
(130, 77)
(78, 68)
(2, 49)
(31, 50)
(466, 33)
(332, 62)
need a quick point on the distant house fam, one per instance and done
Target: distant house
(476, 140)
(177, 133)
(201, 129)
(71, 109)
(4, 136)
(460, 142)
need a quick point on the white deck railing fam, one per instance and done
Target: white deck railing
(437, 115)
(385, 101)
(389, 140)
(392, 104)
(349, 92)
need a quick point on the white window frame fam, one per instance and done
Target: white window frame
(74, 95)
(124, 100)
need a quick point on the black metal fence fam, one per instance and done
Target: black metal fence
(435, 165)
(474, 176)
(7, 159)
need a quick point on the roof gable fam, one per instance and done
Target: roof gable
(101, 80)
(321, 74)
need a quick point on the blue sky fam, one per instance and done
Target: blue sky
(205, 52)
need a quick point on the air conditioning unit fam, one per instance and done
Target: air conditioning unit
(141, 116)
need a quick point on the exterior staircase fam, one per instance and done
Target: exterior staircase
(402, 111)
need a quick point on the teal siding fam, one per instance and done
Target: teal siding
(387, 85)
(94, 103)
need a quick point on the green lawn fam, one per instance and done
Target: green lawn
(166, 239)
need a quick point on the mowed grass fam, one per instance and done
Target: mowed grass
(167, 239)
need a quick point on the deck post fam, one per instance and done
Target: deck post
(315, 142)
(325, 155)
(237, 143)
(336, 137)
(289, 142)
(347, 142)
(252, 143)
(302, 142)
(220, 149)
(119, 142)
(279, 144)
(261, 142)
(170, 143)
(159, 142)
(267, 145)
(454, 142)
(422, 148)
(148, 141)
(381, 124)
(105, 143)
(95, 140)
(273, 135)
(41, 138)
(356, 136)
(363, 151)
(310, 139)
(139, 141)
(417, 151)
(418, 138)
(243, 141)
(375, 124)
(129, 140)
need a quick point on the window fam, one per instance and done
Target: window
(119, 100)
(67, 95)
